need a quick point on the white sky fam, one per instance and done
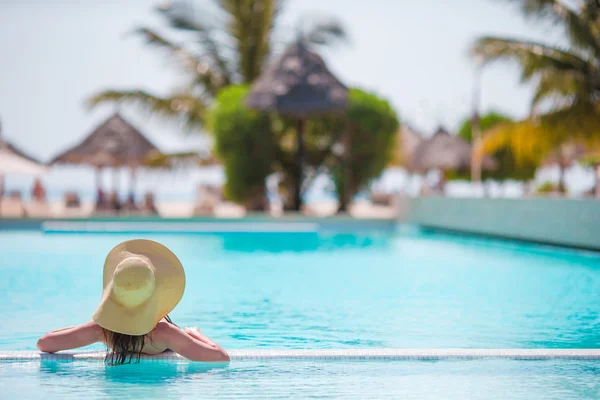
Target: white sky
(54, 54)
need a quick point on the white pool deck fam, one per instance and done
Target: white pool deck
(330, 355)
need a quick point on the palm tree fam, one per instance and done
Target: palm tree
(567, 79)
(213, 55)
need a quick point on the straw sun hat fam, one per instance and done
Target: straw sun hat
(143, 281)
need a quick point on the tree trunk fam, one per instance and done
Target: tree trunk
(343, 207)
(442, 182)
(133, 175)
(299, 165)
(346, 193)
(257, 201)
(597, 186)
(561, 179)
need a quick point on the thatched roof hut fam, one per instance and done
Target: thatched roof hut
(298, 84)
(13, 160)
(408, 142)
(114, 143)
(13, 149)
(444, 151)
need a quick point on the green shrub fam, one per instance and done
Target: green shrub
(372, 125)
(546, 188)
(245, 143)
(508, 167)
(253, 145)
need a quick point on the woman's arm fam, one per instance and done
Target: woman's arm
(197, 334)
(70, 338)
(188, 345)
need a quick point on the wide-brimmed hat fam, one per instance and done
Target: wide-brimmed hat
(143, 281)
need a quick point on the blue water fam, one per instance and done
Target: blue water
(305, 290)
(487, 379)
(377, 289)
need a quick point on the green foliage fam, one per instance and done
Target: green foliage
(222, 45)
(253, 145)
(508, 166)
(565, 77)
(546, 188)
(245, 142)
(372, 126)
(486, 122)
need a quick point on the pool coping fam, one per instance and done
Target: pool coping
(328, 355)
(249, 224)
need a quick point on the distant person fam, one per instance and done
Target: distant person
(72, 200)
(149, 207)
(143, 282)
(100, 199)
(38, 193)
(115, 205)
(130, 203)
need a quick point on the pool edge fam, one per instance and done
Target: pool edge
(325, 355)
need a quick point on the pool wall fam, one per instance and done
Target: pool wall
(563, 222)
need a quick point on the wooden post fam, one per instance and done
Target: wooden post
(133, 176)
(476, 128)
(346, 195)
(299, 165)
(597, 175)
(116, 179)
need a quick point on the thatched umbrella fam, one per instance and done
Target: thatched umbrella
(445, 152)
(298, 85)
(13, 160)
(409, 141)
(115, 143)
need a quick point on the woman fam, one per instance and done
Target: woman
(38, 193)
(143, 281)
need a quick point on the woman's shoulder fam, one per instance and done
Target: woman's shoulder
(163, 330)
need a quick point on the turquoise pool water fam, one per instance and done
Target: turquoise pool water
(308, 291)
(501, 380)
(328, 291)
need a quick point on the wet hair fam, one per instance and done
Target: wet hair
(124, 349)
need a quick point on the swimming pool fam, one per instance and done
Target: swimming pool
(308, 290)
(485, 379)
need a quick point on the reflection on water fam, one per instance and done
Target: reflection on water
(489, 379)
(302, 242)
(145, 380)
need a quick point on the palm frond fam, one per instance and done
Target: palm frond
(561, 74)
(581, 27)
(181, 16)
(182, 106)
(250, 23)
(525, 139)
(533, 139)
(327, 33)
(532, 56)
(563, 88)
(172, 160)
(211, 73)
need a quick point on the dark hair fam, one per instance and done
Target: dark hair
(122, 348)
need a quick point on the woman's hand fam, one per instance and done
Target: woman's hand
(189, 342)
